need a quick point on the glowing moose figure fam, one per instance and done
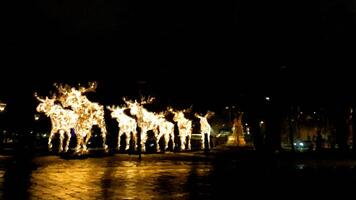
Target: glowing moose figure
(62, 120)
(127, 125)
(184, 128)
(205, 128)
(90, 113)
(145, 120)
(166, 129)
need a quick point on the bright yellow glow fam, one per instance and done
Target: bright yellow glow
(89, 113)
(184, 128)
(166, 129)
(74, 111)
(2, 106)
(145, 120)
(205, 127)
(127, 125)
(62, 120)
(237, 130)
(36, 117)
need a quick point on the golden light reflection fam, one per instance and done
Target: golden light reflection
(114, 178)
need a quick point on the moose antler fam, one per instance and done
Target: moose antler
(170, 109)
(111, 108)
(61, 88)
(38, 98)
(147, 100)
(127, 101)
(92, 88)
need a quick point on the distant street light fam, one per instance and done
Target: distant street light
(37, 117)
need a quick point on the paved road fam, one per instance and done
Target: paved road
(174, 176)
(113, 177)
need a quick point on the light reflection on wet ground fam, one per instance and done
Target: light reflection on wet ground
(113, 178)
(172, 176)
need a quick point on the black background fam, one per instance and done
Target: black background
(206, 54)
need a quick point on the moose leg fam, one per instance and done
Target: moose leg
(118, 139)
(79, 141)
(166, 141)
(103, 134)
(208, 135)
(143, 140)
(182, 142)
(68, 141)
(50, 138)
(173, 143)
(61, 137)
(86, 140)
(158, 137)
(127, 141)
(188, 141)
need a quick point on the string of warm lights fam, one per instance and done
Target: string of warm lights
(184, 128)
(205, 127)
(126, 124)
(72, 110)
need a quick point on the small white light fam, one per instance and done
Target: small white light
(37, 117)
(267, 98)
(301, 144)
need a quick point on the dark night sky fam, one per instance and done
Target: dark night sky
(295, 50)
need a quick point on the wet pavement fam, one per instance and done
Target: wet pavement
(192, 175)
(112, 177)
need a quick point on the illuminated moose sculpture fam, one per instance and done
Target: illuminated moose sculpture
(127, 125)
(205, 128)
(166, 129)
(184, 128)
(145, 120)
(62, 120)
(90, 113)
